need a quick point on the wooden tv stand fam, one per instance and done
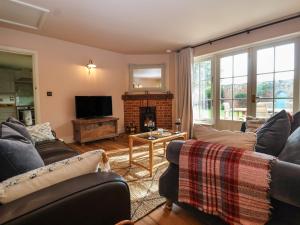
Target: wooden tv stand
(86, 130)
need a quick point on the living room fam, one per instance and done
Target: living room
(157, 72)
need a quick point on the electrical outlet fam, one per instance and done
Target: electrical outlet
(49, 93)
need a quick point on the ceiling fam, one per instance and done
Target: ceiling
(152, 26)
(15, 61)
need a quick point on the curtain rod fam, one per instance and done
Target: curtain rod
(242, 32)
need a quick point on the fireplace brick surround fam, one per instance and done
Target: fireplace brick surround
(162, 102)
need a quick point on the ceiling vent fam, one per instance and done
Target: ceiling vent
(22, 14)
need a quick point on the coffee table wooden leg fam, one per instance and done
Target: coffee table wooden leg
(151, 158)
(130, 150)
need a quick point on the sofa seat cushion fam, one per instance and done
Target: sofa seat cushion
(17, 153)
(34, 180)
(272, 136)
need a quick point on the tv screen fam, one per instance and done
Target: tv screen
(93, 106)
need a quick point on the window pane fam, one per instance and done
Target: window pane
(226, 67)
(205, 113)
(226, 109)
(281, 104)
(239, 109)
(264, 108)
(284, 84)
(205, 70)
(265, 60)
(284, 57)
(264, 88)
(240, 87)
(226, 88)
(205, 90)
(241, 64)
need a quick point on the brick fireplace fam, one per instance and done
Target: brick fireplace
(160, 104)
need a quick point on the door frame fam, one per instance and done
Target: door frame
(35, 76)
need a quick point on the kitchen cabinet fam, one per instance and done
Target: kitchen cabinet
(7, 83)
(7, 111)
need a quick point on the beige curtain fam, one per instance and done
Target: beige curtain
(184, 90)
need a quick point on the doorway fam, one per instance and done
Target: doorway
(17, 89)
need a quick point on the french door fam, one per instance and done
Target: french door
(275, 83)
(258, 81)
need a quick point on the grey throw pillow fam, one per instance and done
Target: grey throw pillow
(291, 150)
(17, 153)
(18, 126)
(296, 121)
(272, 136)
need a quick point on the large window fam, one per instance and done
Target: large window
(202, 91)
(257, 81)
(233, 86)
(275, 79)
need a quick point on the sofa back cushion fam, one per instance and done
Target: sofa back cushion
(237, 139)
(17, 153)
(272, 136)
(18, 126)
(291, 150)
(32, 181)
(296, 121)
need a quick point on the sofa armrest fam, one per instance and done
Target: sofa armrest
(285, 183)
(97, 198)
(173, 151)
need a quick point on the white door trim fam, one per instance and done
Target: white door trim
(35, 76)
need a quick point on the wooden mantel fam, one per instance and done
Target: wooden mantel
(147, 96)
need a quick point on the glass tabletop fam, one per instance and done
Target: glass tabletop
(157, 134)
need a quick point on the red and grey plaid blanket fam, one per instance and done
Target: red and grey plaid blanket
(229, 182)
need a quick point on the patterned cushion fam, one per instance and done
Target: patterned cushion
(41, 132)
(32, 181)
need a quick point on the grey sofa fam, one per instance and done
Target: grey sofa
(284, 192)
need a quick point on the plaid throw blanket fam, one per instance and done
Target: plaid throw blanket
(229, 182)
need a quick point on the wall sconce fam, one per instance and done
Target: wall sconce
(90, 65)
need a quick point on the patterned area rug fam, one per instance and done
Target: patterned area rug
(143, 189)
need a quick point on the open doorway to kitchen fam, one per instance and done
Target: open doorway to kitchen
(17, 98)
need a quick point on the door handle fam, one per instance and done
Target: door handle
(253, 98)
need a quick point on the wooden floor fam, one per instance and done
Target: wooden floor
(160, 216)
(118, 144)
(177, 216)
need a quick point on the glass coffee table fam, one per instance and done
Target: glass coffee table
(163, 138)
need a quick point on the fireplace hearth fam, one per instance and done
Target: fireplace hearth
(147, 114)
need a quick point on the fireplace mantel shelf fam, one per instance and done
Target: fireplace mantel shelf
(147, 96)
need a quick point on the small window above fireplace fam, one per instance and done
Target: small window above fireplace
(147, 77)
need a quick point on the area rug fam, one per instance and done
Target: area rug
(143, 188)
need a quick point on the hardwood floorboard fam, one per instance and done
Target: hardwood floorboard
(119, 144)
(177, 216)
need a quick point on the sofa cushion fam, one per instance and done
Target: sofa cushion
(41, 132)
(272, 136)
(236, 139)
(18, 126)
(17, 153)
(253, 123)
(291, 150)
(32, 181)
(296, 121)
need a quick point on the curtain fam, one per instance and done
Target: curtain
(184, 89)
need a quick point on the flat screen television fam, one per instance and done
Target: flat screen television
(93, 106)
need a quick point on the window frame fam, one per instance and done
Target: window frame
(251, 86)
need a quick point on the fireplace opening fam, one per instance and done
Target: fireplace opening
(147, 114)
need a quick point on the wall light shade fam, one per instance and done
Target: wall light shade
(90, 65)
